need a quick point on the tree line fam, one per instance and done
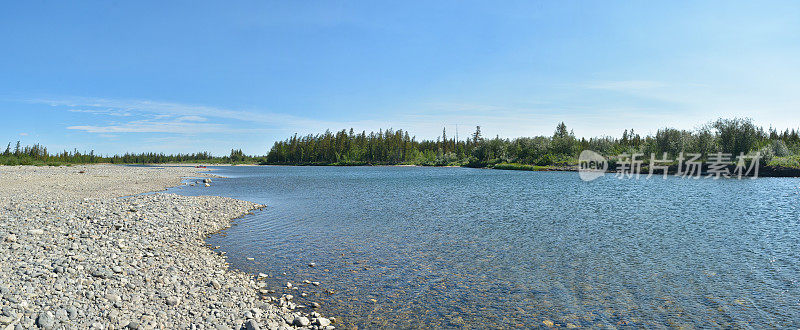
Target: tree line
(38, 155)
(394, 147)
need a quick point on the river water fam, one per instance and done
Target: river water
(412, 247)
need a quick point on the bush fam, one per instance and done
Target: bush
(792, 161)
(780, 149)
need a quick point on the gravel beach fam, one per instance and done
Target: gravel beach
(76, 254)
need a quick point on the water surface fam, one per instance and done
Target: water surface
(454, 247)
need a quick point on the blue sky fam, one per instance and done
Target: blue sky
(191, 76)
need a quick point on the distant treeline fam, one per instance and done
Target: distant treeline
(38, 155)
(393, 147)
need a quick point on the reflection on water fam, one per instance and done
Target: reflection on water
(454, 247)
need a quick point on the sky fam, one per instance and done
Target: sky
(135, 76)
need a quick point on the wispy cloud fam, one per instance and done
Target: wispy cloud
(175, 126)
(168, 117)
(107, 112)
(626, 85)
(126, 107)
(192, 118)
(145, 116)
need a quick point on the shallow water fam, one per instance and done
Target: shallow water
(454, 247)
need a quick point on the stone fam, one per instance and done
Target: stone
(11, 238)
(173, 301)
(113, 298)
(46, 320)
(322, 322)
(72, 312)
(76, 256)
(6, 319)
(101, 273)
(251, 325)
(301, 321)
(62, 315)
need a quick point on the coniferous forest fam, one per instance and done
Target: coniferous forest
(395, 147)
(39, 155)
(399, 147)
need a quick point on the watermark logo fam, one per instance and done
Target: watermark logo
(591, 165)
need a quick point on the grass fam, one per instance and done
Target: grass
(520, 167)
(790, 161)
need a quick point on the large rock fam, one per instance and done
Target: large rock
(252, 325)
(322, 322)
(301, 321)
(46, 320)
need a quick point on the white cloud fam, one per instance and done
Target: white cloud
(123, 107)
(192, 118)
(23, 134)
(152, 126)
(107, 112)
(178, 118)
(626, 85)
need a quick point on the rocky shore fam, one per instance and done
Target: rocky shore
(76, 254)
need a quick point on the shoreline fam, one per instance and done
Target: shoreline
(75, 254)
(764, 171)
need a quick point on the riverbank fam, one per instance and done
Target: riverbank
(73, 254)
(768, 171)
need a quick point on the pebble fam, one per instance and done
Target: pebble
(301, 321)
(252, 325)
(87, 259)
(46, 320)
(11, 238)
(173, 301)
(322, 322)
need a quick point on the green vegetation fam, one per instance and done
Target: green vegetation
(396, 147)
(521, 167)
(382, 148)
(792, 161)
(39, 156)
